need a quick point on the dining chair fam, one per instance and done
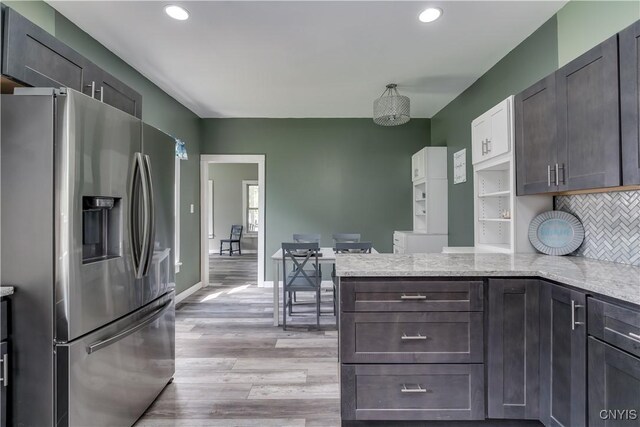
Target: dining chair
(300, 279)
(234, 237)
(306, 238)
(346, 237)
(343, 248)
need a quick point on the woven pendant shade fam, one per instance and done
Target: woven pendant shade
(391, 109)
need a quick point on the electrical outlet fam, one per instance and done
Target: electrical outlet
(191, 208)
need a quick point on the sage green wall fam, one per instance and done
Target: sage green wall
(158, 109)
(576, 28)
(327, 175)
(533, 59)
(584, 24)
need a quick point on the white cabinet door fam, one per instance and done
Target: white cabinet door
(491, 133)
(480, 129)
(417, 165)
(498, 142)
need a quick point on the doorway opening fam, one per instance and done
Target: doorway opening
(232, 218)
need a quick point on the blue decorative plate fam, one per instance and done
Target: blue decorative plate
(556, 233)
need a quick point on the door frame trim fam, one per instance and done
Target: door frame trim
(205, 161)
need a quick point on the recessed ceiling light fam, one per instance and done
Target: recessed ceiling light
(430, 14)
(177, 12)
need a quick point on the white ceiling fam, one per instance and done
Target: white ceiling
(309, 58)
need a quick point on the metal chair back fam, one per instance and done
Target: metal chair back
(307, 238)
(301, 254)
(346, 237)
(353, 247)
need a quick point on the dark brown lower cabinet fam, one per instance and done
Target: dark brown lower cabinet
(513, 350)
(413, 392)
(614, 386)
(563, 349)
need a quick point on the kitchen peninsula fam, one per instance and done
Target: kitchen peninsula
(487, 337)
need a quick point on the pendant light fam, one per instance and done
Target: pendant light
(391, 109)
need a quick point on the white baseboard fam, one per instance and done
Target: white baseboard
(187, 292)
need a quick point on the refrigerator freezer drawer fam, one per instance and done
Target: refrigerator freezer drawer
(111, 376)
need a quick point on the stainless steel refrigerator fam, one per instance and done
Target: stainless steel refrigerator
(87, 211)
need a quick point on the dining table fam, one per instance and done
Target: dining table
(327, 256)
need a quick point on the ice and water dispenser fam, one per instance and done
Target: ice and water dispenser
(101, 228)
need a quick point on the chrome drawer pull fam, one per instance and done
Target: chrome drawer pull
(413, 390)
(403, 296)
(413, 337)
(4, 380)
(634, 336)
(575, 306)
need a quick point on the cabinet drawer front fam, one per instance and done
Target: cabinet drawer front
(398, 295)
(412, 392)
(616, 325)
(436, 337)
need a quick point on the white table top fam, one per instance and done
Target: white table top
(328, 255)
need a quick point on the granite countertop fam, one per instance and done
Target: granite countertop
(6, 291)
(614, 280)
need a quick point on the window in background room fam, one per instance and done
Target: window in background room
(250, 206)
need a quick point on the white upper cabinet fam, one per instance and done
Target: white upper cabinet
(418, 166)
(491, 133)
(429, 163)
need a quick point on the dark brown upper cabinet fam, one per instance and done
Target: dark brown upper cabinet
(589, 120)
(630, 103)
(536, 137)
(33, 57)
(568, 126)
(112, 91)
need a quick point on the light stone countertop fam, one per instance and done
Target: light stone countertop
(614, 280)
(5, 291)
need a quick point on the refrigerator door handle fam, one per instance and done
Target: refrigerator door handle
(149, 234)
(134, 232)
(139, 249)
(144, 322)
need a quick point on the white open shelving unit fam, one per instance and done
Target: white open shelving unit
(493, 197)
(430, 205)
(495, 186)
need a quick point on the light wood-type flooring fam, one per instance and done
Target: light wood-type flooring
(234, 368)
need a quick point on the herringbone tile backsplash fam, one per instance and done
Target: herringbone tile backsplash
(611, 224)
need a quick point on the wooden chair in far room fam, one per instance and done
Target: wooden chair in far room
(234, 238)
(300, 279)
